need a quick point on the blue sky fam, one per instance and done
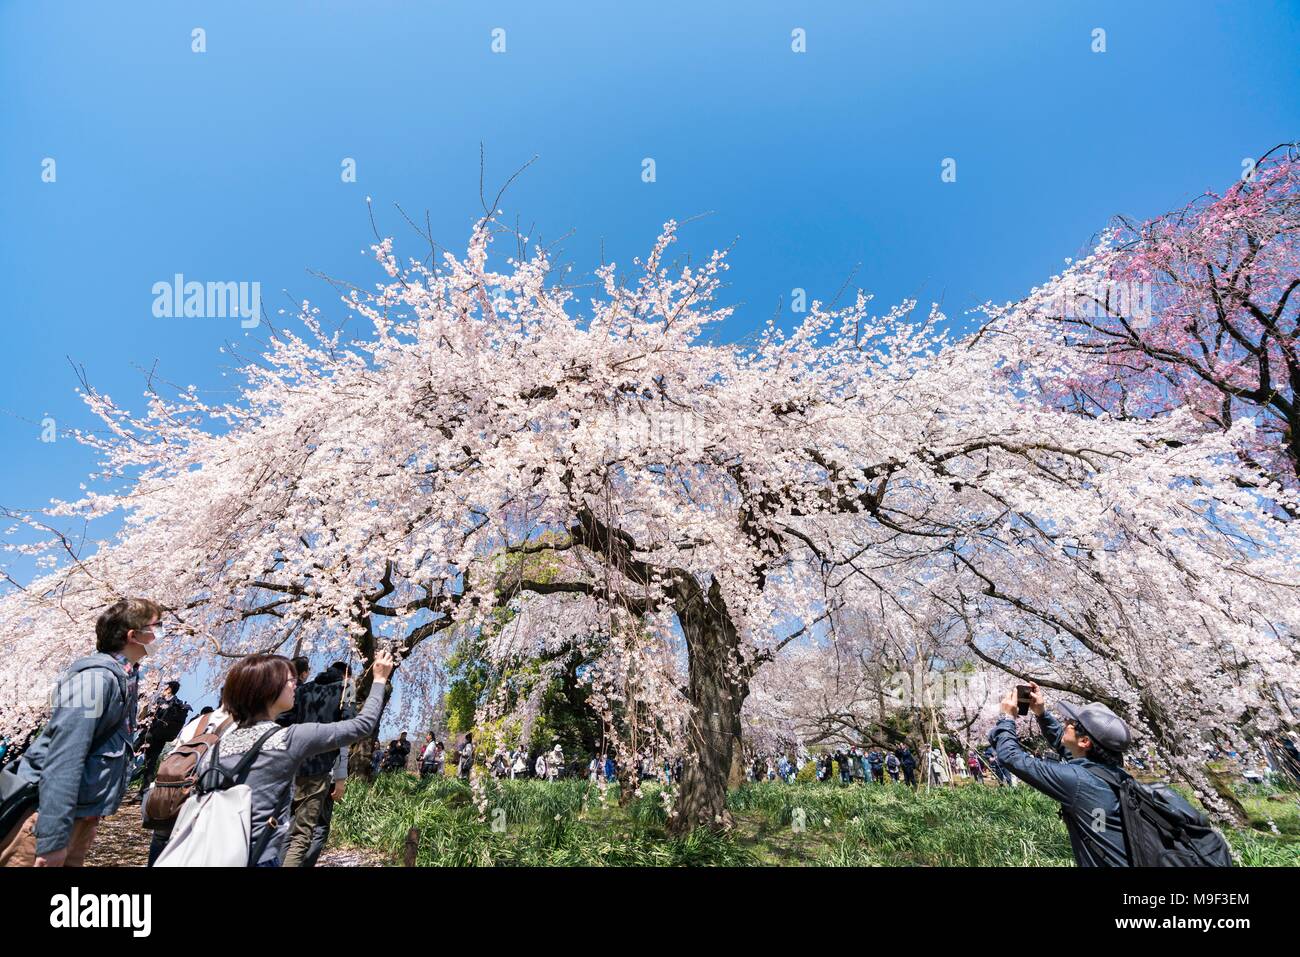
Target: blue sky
(225, 165)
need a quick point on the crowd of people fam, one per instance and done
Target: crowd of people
(285, 737)
(845, 764)
(871, 765)
(515, 763)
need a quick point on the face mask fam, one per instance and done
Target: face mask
(156, 633)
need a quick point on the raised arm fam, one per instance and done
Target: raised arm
(1052, 731)
(1056, 779)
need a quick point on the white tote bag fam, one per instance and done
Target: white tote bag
(212, 830)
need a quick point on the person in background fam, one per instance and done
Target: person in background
(876, 760)
(78, 766)
(302, 672)
(322, 780)
(938, 766)
(466, 756)
(892, 765)
(398, 752)
(431, 759)
(907, 761)
(168, 716)
(846, 765)
(996, 767)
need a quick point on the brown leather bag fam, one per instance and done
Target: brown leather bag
(177, 773)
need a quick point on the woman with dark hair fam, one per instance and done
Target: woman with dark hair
(259, 689)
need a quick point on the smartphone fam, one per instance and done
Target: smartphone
(1024, 697)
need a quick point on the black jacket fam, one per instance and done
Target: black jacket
(319, 700)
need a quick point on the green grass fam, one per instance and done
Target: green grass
(566, 823)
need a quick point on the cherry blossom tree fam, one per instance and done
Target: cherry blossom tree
(1198, 309)
(682, 511)
(879, 679)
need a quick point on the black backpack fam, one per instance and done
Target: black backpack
(1160, 828)
(320, 702)
(169, 720)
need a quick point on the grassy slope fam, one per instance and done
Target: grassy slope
(566, 823)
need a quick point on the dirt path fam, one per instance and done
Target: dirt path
(120, 841)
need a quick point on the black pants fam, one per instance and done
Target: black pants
(158, 843)
(152, 752)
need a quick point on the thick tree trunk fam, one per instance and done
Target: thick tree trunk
(360, 755)
(712, 645)
(737, 773)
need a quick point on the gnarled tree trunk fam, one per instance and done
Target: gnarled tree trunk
(718, 696)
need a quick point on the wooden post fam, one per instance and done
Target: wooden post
(412, 847)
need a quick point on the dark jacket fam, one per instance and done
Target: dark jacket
(169, 716)
(1089, 806)
(95, 699)
(319, 701)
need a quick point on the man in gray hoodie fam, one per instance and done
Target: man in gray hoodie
(79, 764)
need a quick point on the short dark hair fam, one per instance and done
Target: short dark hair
(253, 685)
(175, 686)
(126, 614)
(1103, 756)
(339, 666)
(301, 666)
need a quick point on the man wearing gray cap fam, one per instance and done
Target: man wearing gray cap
(1090, 736)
